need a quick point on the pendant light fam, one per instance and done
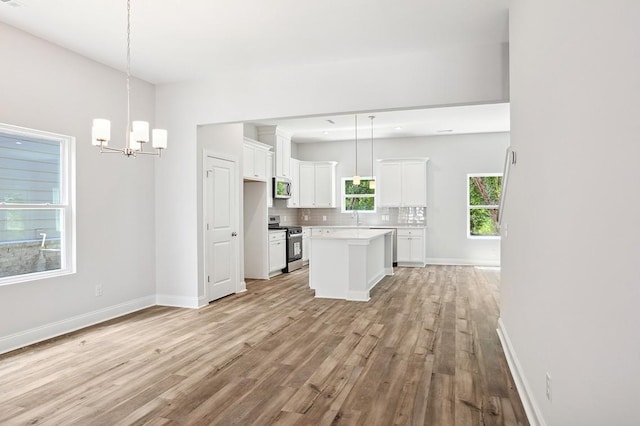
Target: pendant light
(372, 181)
(137, 133)
(356, 177)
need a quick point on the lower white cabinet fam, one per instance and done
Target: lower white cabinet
(277, 251)
(306, 246)
(411, 247)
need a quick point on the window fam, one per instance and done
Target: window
(483, 198)
(358, 197)
(36, 204)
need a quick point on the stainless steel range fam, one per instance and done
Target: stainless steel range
(293, 243)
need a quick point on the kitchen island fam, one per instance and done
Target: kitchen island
(347, 264)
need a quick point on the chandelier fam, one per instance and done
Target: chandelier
(137, 134)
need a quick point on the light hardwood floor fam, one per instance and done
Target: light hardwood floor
(424, 350)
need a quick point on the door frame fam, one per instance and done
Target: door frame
(240, 284)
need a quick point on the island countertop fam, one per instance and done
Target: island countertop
(353, 234)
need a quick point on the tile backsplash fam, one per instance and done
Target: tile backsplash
(416, 216)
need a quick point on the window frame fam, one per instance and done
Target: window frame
(484, 206)
(345, 195)
(66, 204)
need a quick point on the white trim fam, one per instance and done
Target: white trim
(534, 415)
(178, 301)
(58, 328)
(457, 261)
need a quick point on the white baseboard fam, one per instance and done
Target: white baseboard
(462, 262)
(178, 301)
(58, 328)
(528, 401)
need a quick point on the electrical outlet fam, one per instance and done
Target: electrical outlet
(306, 217)
(98, 290)
(324, 218)
(284, 218)
(548, 386)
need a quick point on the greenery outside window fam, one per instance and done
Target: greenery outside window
(37, 225)
(483, 199)
(358, 198)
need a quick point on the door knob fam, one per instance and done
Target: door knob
(234, 234)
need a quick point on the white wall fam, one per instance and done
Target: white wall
(450, 159)
(48, 88)
(462, 75)
(570, 281)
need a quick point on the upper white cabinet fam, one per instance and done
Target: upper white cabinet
(294, 201)
(281, 143)
(269, 179)
(318, 184)
(402, 182)
(255, 160)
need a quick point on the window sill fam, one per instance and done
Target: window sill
(483, 237)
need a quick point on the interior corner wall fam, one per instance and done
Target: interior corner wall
(570, 281)
(46, 87)
(454, 76)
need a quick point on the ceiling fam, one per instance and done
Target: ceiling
(397, 124)
(173, 40)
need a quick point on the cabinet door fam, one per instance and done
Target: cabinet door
(417, 249)
(277, 255)
(247, 166)
(260, 164)
(389, 184)
(307, 185)
(269, 177)
(305, 248)
(294, 201)
(324, 186)
(404, 249)
(283, 156)
(414, 183)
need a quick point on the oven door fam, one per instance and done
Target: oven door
(294, 248)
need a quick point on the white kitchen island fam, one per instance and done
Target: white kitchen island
(347, 264)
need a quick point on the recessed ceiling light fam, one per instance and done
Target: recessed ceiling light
(331, 121)
(18, 143)
(397, 128)
(444, 131)
(325, 132)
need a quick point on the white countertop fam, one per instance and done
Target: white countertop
(339, 227)
(353, 234)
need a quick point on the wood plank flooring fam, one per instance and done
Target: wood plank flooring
(424, 350)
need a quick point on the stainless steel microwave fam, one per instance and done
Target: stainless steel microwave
(281, 187)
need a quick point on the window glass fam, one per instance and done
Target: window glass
(483, 200)
(358, 197)
(35, 207)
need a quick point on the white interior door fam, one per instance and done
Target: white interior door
(221, 228)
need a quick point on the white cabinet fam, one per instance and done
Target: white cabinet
(306, 244)
(255, 160)
(294, 201)
(281, 143)
(277, 251)
(411, 247)
(318, 184)
(402, 183)
(269, 179)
